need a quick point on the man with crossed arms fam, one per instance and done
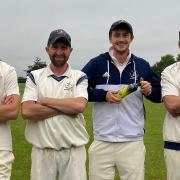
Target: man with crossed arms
(9, 108)
(170, 82)
(54, 99)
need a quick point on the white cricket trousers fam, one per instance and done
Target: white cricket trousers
(127, 157)
(172, 159)
(66, 164)
(6, 160)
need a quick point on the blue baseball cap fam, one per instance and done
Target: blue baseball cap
(58, 34)
(121, 24)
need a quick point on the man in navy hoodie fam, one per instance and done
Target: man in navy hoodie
(118, 124)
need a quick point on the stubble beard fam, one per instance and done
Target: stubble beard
(58, 63)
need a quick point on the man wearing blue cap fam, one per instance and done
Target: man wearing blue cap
(53, 102)
(170, 82)
(118, 124)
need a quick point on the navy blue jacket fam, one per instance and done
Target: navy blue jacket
(97, 67)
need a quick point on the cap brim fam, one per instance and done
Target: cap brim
(61, 38)
(121, 25)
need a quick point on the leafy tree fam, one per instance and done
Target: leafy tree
(178, 57)
(38, 64)
(163, 63)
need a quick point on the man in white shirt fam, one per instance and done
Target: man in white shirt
(170, 81)
(53, 102)
(9, 108)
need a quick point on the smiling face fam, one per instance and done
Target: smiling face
(120, 40)
(59, 53)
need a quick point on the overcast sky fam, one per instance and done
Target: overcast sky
(26, 25)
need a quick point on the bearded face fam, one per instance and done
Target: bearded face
(59, 53)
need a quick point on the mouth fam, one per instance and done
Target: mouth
(59, 57)
(122, 45)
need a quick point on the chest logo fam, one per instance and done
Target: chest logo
(134, 74)
(68, 85)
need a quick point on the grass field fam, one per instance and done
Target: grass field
(154, 165)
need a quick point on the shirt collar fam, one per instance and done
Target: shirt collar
(67, 73)
(116, 61)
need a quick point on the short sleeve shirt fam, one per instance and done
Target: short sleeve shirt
(62, 131)
(170, 82)
(8, 86)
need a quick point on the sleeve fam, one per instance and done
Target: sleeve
(11, 83)
(91, 70)
(155, 95)
(81, 87)
(30, 91)
(168, 84)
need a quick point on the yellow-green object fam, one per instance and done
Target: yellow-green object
(123, 92)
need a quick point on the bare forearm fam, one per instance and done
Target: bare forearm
(8, 112)
(36, 111)
(67, 106)
(9, 108)
(172, 104)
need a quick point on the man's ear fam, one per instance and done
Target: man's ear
(110, 39)
(71, 50)
(132, 36)
(46, 48)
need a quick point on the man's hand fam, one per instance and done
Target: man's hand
(8, 100)
(175, 115)
(42, 101)
(111, 98)
(146, 87)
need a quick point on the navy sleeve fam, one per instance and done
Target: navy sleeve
(91, 70)
(151, 77)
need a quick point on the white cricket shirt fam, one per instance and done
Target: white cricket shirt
(62, 131)
(8, 86)
(170, 82)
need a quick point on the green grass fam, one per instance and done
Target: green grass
(154, 165)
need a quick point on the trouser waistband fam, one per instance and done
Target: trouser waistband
(172, 145)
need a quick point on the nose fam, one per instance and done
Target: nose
(121, 38)
(59, 51)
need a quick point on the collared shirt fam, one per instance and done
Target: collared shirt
(170, 82)
(62, 131)
(8, 86)
(120, 66)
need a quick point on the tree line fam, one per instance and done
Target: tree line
(165, 61)
(158, 67)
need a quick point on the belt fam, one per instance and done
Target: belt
(172, 145)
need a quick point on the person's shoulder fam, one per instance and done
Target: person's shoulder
(102, 57)
(173, 68)
(6, 68)
(171, 72)
(38, 71)
(76, 72)
(139, 60)
(5, 65)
